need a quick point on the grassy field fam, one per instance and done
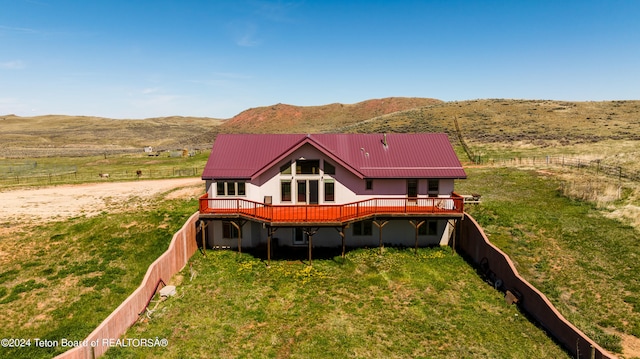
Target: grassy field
(583, 260)
(61, 279)
(120, 167)
(395, 305)
(571, 233)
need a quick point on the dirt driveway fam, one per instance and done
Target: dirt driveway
(60, 202)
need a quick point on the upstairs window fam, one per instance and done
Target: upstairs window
(220, 189)
(329, 191)
(285, 191)
(329, 169)
(307, 167)
(368, 184)
(230, 188)
(285, 169)
(434, 187)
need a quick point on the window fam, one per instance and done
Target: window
(329, 169)
(329, 191)
(434, 189)
(307, 167)
(362, 228)
(300, 237)
(428, 228)
(412, 188)
(285, 169)
(229, 230)
(230, 188)
(302, 191)
(285, 191)
(368, 184)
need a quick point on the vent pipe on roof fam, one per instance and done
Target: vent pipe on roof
(384, 140)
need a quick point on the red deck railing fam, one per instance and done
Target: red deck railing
(331, 213)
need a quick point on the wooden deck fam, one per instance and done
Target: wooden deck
(282, 215)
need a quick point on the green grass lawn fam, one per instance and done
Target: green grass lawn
(395, 305)
(586, 263)
(62, 279)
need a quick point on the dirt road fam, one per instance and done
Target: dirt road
(60, 202)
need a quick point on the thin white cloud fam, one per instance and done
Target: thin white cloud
(246, 36)
(277, 11)
(12, 65)
(244, 33)
(151, 90)
(21, 30)
(231, 75)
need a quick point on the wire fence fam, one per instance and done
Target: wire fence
(27, 174)
(596, 166)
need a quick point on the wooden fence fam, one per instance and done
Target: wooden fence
(182, 247)
(500, 271)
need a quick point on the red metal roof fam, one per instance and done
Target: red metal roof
(419, 155)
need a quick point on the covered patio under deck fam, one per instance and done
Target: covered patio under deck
(310, 218)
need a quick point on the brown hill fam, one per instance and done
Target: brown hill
(58, 135)
(537, 123)
(313, 119)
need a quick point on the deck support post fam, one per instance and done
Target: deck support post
(310, 232)
(416, 224)
(203, 226)
(239, 225)
(270, 231)
(380, 224)
(341, 233)
(269, 246)
(310, 246)
(213, 236)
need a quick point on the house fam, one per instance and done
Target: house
(330, 190)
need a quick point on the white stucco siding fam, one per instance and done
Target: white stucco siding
(446, 187)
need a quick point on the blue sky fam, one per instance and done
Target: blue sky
(139, 58)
